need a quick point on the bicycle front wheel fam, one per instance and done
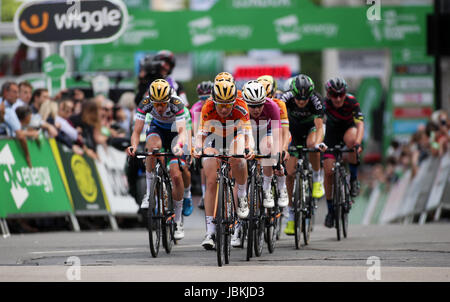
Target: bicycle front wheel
(345, 210)
(220, 228)
(307, 219)
(168, 223)
(298, 195)
(251, 218)
(260, 225)
(337, 203)
(154, 215)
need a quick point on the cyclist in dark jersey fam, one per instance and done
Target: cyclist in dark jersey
(305, 113)
(344, 123)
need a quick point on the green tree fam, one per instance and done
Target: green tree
(9, 8)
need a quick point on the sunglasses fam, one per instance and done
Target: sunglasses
(336, 95)
(255, 106)
(203, 97)
(222, 106)
(159, 104)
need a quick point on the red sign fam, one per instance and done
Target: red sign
(253, 72)
(412, 112)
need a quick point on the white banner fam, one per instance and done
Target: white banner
(112, 172)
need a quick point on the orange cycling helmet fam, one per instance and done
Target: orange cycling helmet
(224, 76)
(269, 83)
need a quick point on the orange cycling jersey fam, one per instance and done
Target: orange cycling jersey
(237, 121)
(283, 112)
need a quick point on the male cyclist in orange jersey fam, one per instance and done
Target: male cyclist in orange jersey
(224, 118)
(270, 85)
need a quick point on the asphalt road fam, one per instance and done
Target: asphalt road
(370, 253)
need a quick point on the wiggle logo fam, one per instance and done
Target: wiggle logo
(34, 21)
(84, 179)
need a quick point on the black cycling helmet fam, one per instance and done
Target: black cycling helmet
(336, 86)
(205, 88)
(302, 86)
(165, 56)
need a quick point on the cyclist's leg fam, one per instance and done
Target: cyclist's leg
(332, 138)
(153, 141)
(240, 174)
(177, 195)
(210, 166)
(349, 139)
(314, 159)
(291, 167)
(266, 147)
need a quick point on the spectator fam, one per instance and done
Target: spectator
(88, 124)
(126, 102)
(10, 92)
(67, 134)
(78, 98)
(24, 115)
(25, 91)
(439, 136)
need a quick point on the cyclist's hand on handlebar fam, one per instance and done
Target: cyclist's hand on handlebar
(322, 147)
(131, 150)
(177, 150)
(249, 154)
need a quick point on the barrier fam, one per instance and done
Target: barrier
(85, 189)
(30, 192)
(395, 198)
(111, 171)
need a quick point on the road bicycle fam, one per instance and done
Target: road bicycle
(160, 214)
(341, 191)
(225, 216)
(303, 203)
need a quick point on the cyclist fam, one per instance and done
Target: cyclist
(204, 92)
(224, 118)
(344, 125)
(305, 113)
(270, 85)
(168, 114)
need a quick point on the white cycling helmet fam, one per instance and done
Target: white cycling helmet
(254, 93)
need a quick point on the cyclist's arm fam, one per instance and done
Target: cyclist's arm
(318, 123)
(359, 132)
(138, 126)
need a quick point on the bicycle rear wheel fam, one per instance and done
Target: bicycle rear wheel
(298, 195)
(220, 230)
(168, 223)
(307, 219)
(154, 217)
(228, 222)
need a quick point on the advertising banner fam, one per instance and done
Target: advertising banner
(237, 27)
(112, 172)
(25, 190)
(84, 184)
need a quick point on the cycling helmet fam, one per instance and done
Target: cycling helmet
(254, 93)
(336, 86)
(165, 56)
(160, 91)
(302, 86)
(224, 76)
(224, 92)
(269, 83)
(205, 88)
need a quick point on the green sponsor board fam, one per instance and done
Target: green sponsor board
(369, 96)
(83, 181)
(28, 190)
(297, 26)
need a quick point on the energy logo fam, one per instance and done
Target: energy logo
(34, 21)
(84, 179)
(287, 29)
(23, 178)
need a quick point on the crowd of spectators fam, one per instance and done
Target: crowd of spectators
(79, 123)
(430, 140)
(75, 121)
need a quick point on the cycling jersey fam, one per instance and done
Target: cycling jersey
(345, 116)
(237, 121)
(270, 116)
(283, 112)
(174, 112)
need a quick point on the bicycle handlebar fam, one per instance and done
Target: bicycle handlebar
(302, 149)
(339, 148)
